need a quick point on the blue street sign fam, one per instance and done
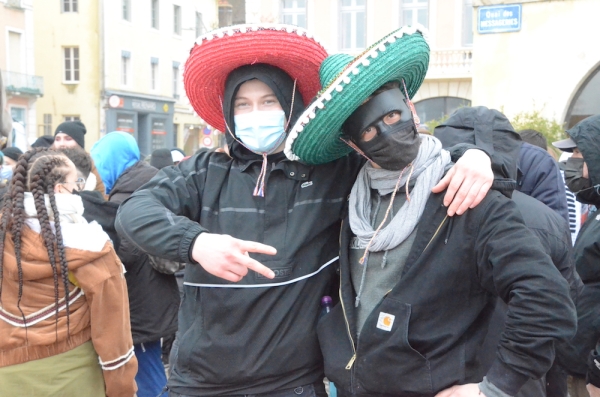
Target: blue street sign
(498, 19)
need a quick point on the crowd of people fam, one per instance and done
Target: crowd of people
(457, 260)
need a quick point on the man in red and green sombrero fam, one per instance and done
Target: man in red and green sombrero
(260, 232)
(418, 288)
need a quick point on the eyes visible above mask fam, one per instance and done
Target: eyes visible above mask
(389, 119)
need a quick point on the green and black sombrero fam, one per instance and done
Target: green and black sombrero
(347, 82)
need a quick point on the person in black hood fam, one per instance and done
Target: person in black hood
(259, 232)
(153, 295)
(418, 288)
(582, 176)
(490, 129)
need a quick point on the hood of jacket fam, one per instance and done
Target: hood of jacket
(491, 131)
(586, 135)
(283, 88)
(35, 262)
(113, 154)
(132, 179)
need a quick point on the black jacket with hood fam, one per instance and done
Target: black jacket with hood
(545, 223)
(153, 296)
(257, 335)
(586, 254)
(443, 302)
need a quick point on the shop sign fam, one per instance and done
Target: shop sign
(499, 19)
(143, 105)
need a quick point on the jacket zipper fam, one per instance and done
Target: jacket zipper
(349, 365)
(353, 359)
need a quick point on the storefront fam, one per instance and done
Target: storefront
(148, 119)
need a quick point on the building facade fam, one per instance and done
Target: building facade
(551, 63)
(352, 25)
(22, 86)
(117, 65)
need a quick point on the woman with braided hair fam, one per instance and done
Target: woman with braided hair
(64, 312)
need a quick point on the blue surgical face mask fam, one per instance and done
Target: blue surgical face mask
(6, 172)
(261, 131)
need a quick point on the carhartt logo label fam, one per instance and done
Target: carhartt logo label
(385, 321)
(306, 184)
(279, 273)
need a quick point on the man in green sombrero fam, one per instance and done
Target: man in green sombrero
(418, 288)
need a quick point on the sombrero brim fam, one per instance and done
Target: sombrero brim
(219, 52)
(401, 55)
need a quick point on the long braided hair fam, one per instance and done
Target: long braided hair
(37, 171)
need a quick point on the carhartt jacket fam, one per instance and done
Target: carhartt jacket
(425, 334)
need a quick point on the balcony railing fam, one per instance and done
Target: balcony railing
(451, 63)
(22, 84)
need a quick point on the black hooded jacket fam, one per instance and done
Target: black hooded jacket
(586, 254)
(153, 296)
(545, 223)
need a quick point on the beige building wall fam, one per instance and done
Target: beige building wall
(450, 71)
(544, 64)
(143, 42)
(55, 30)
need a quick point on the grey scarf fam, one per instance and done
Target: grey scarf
(429, 166)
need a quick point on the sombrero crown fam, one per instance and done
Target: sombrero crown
(403, 55)
(219, 52)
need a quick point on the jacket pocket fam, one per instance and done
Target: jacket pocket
(336, 347)
(386, 363)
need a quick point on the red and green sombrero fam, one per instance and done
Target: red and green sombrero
(402, 55)
(219, 52)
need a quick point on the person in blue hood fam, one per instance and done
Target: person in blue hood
(112, 162)
(153, 296)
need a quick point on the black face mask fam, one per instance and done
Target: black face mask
(580, 186)
(574, 175)
(394, 146)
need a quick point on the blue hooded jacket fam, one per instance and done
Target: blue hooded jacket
(113, 154)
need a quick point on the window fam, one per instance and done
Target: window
(439, 107)
(15, 52)
(176, 80)
(71, 57)
(71, 117)
(154, 12)
(199, 24)
(177, 20)
(125, 66)
(69, 6)
(153, 74)
(127, 10)
(467, 36)
(353, 21)
(294, 12)
(48, 124)
(415, 11)
(586, 102)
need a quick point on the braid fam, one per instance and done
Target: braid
(48, 172)
(46, 232)
(17, 194)
(64, 269)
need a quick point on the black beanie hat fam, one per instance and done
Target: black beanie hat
(43, 141)
(161, 158)
(12, 152)
(74, 129)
